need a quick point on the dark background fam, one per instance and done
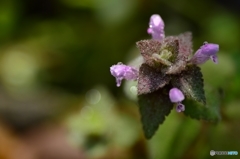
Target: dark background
(56, 87)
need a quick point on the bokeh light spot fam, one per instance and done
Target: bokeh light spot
(93, 96)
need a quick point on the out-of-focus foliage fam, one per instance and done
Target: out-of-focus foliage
(54, 76)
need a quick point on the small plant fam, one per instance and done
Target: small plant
(170, 76)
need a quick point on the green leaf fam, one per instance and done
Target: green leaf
(190, 82)
(150, 80)
(210, 112)
(153, 108)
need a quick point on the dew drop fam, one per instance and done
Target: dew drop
(120, 63)
(205, 42)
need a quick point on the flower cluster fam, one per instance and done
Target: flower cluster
(168, 62)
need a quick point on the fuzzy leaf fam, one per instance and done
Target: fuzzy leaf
(169, 49)
(153, 108)
(184, 53)
(210, 112)
(149, 80)
(185, 45)
(159, 54)
(147, 49)
(190, 82)
(171, 43)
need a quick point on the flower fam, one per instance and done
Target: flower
(205, 52)
(176, 96)
(121, 71)
(156, 27)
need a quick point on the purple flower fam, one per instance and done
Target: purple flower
(176, 96)
(205, 52)
(121, 71)
(214, 58)
(156, 27)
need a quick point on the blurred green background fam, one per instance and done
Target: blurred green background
(58, 99)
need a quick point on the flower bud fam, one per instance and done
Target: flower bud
(180, 107)
(121, 71)
(176, 95)
(205, 52)
(156, 27)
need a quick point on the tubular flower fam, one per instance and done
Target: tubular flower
(121, 71)
(205, 52)
(176, 96)
(156, 27)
